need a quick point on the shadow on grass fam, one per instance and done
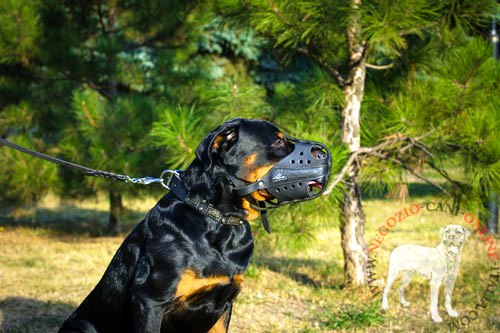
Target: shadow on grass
(18, 314)
(67, 220)
(73, 220)
(308, 272)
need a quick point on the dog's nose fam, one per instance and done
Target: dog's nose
(318, 153)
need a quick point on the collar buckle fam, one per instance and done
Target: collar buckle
(232, 220)
(170, 174)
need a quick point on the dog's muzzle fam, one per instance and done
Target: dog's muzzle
(299, 176)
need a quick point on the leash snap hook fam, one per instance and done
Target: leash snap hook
(143, 181)
(170, 174)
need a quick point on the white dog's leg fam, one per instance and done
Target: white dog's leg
(435, 284)
(448, 290)
(391, 276)
(405, 281)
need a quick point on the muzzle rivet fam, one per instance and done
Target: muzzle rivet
(261, 184)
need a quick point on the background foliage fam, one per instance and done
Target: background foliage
(132, 88)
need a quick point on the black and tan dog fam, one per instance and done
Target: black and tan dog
(181, 268)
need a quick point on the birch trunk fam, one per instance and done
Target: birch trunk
(352, 218)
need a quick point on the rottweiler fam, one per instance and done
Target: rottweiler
(182, 267)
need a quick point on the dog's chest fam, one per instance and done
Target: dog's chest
(225, 250)
(210, 282)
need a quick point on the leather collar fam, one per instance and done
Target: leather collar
(177, 187)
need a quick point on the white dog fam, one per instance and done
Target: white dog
(438, 264)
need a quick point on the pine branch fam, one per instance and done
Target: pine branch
(408, 168)
(145, 42)
(388, 150)
(347, 168)
(379, 67)
(167, 36)
(86, 112)
(307, 51)
(445, 175)
(323, 64)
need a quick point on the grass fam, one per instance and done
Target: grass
(49, 263)
(353, 316)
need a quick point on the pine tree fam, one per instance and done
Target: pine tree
(89, 73)
(21, 176)
(347, 39)
(104, 72)
(456, 95)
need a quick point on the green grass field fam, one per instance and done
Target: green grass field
(49, 263)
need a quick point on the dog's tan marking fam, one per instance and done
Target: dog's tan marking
(190, 284)
(217, 141)
(252, 212)
(250, 159)
(281, 136)
(258, 173)
(238, 280)
(220, 325)
(252, 176)
(261, 195)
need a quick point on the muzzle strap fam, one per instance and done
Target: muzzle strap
(247, 189)
(263, 215)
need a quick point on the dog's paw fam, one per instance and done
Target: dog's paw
(385, 305)
(436, 318)
(404, 302)
(453, 313)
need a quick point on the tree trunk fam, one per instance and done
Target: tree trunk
(115, 212)
(493, 215)
(490, 215)
(352, 218)
(352, 229)
(115, 199)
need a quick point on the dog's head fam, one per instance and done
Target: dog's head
(241, 152)
(453, 237)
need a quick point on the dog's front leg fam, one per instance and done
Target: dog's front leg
(435, 284)
(147, 315)
(448, 290)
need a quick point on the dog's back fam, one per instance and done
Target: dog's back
(104, 309)
(415, 258)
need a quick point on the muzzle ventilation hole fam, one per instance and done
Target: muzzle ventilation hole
(285, 188)
(300, 161)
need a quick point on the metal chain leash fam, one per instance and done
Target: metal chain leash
(93, 172)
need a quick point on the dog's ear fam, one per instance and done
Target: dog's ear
(217, 142)
(441, 231)
(466, 232)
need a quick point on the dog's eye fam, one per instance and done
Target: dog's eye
(278, 143)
